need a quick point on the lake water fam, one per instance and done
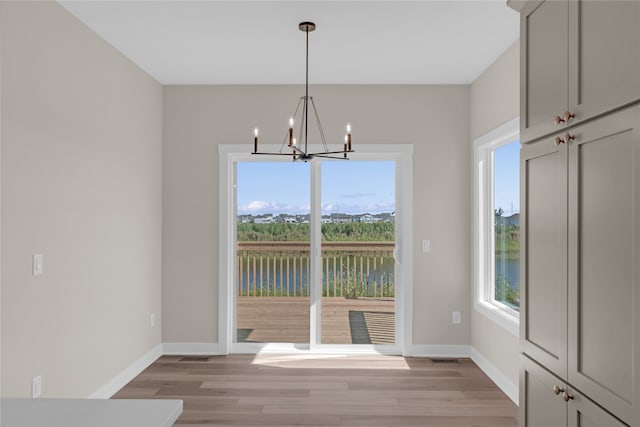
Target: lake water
(299, 283)
(511, 270)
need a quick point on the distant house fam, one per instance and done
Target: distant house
(367, 218)
(327, 220)
(290, 220)
(386, 217)
(508, 220)
(513, 220)
(264, 219)
(343, 220)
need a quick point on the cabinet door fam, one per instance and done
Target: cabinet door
(543, 305)
(539, 405)
(543, 67)
(604, 261)
(604, 58)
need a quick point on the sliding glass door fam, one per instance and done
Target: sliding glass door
(273, 262)
(343, 291)
(358, 240)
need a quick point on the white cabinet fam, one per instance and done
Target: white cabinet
(579, 59)
(580, 315)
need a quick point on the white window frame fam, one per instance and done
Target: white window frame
(402, 154)
(484, 223)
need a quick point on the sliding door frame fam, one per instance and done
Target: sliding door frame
(229, 156)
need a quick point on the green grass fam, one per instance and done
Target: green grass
(507, 242)
(350, 232)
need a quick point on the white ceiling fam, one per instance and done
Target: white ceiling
(258, 42)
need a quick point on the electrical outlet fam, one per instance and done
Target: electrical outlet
(456, 318)
(38, 264)
(426, 246)
(152, 320)
(36, 387)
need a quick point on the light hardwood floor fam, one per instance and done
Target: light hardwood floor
(315, 390)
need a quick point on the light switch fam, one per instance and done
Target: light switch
(38, 264)
(456, 318)
(36, 387)
(426, 246)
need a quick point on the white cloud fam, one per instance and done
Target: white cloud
(258, 207)
(357, 195)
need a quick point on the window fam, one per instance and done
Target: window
(497, 225)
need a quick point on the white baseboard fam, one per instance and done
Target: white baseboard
(508, 387)
(421, 350)
(190, 348)
(133, 370)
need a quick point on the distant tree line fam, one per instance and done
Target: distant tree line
(351, 232)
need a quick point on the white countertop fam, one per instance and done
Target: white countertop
(89, 412)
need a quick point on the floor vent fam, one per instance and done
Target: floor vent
(195, 359)
(445, 361)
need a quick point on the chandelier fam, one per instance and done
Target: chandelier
(298, 148)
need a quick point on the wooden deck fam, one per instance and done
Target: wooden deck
(313, 390)
(344, 321)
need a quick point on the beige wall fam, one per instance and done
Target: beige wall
(435, 119)
(0, 206)
(81, 184)
(495, 100)
(495, 95)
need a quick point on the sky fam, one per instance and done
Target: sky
(506, 178)
(351, 187)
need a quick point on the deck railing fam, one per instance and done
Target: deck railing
(349, 269)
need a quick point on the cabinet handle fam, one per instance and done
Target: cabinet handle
(557, 390)
(567, 396)
(567, 137)
(568, 116)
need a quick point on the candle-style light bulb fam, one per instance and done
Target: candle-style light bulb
(255, 140)
(348, 128)
(294, 142)
(291, 132)
(348, 141)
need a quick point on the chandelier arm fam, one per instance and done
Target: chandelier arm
(331, 152)
(267, 153)
(295, 113)
(315, 111)
(286, 137)
(302, 124)
(284, 142)
(326, 156)
(299, 151)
